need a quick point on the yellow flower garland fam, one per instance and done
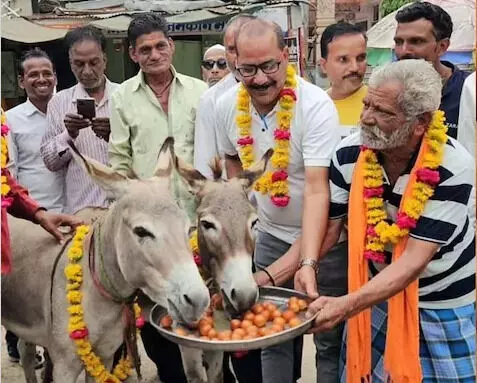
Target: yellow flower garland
(77, 327)
(275, 183)
(379, 231)
(5, 187)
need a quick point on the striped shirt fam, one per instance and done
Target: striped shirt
(80, 190)
(448, 280)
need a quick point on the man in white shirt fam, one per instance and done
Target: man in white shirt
(28, 123)
(467, 118)
(205, 147)
(274, 108)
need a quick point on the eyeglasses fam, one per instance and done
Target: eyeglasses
(209, 64)
(268, 67)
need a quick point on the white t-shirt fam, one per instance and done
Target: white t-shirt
(314, 135)
(205, 141)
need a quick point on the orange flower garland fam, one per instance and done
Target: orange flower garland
(379, 232)
(77, 327)
(6, 199)
(275, 183)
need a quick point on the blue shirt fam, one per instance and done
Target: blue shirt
(450, 100)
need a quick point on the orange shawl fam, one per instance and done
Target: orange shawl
(401, 356)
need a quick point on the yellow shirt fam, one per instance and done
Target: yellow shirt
(139, 126)
(349, 111)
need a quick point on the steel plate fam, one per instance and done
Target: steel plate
(276, 295)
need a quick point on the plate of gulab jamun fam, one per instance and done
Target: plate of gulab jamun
(278, 316)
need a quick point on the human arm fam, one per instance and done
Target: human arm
(390, 281)
(54, 147)
(120, 150)
(466, 128)
(285, 267)
(25, 207)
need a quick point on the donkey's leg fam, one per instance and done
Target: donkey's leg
(214, 363)
(193, 362)
(28, 359)
(66, 370)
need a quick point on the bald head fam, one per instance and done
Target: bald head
(259, 29)
(230, 32)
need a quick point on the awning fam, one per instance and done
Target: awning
(24, 31)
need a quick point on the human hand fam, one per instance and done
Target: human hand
(331, 311)
(101, 127)
(74, 123)
(51, 221)
(261, 278)
(305, 281)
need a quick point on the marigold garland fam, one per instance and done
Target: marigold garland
(379, 232)
(5, 188)
(77, 327)
(275, 183)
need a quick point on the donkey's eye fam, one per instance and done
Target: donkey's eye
(207, 225)
(142, 232)
(254, 223)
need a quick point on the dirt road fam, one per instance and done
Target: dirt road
(12, 373)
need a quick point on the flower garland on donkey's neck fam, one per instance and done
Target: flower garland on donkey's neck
(76, 325)
(273, 182)
(379, 232)
(6, 199)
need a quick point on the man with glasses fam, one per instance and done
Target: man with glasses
(299, 121)
(214, 65)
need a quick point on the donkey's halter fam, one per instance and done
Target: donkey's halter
(102, 281)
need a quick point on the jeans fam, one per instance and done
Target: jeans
(280, 363)
(332, 281)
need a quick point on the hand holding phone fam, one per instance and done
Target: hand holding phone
(86, 108)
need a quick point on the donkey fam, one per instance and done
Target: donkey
(225, 224)
(141, 242)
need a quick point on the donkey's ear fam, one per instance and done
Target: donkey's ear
(192, 176)
(112, 182)
(248, 177)
(165, 160)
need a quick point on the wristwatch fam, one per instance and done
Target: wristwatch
(309, 262)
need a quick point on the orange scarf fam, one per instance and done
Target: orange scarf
(401, 355)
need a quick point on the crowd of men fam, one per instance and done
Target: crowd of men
(305, 244)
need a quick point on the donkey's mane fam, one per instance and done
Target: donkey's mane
(216, 166)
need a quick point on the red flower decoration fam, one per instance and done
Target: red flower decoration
(280, 134)
(428, 176)
(375, 256)
(4, 130)
(371, 231)
(279, 175)
(140, 321)
(288, 92)
(405, 222)
(79, 334)
(247, 140)
(373, 192)
(198, 260)
(281, 201)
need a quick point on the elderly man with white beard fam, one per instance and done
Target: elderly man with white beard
(403, 186)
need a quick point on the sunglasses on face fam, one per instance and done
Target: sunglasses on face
(209, 64)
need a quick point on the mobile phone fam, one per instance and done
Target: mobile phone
(86, 108)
